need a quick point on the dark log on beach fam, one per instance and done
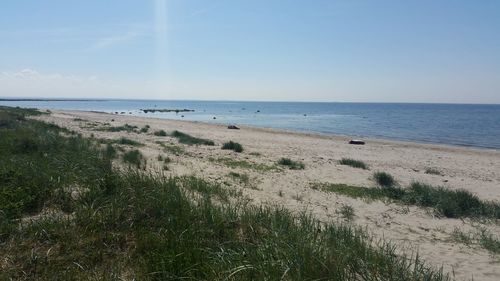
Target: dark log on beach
(357, 142)
(233, 127)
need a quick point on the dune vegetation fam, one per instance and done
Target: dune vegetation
(67, 214)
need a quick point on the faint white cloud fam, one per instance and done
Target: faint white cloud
(113, 40)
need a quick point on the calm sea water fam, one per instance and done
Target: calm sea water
(465, 125)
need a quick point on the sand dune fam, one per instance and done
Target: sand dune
(411, 228)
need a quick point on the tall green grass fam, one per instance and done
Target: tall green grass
(132, 225)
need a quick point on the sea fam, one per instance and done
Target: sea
(452, 124)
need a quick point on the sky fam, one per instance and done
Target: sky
(432, 51)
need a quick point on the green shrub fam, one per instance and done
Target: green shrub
(232, 146)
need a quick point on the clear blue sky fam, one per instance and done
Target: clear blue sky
(350, 50)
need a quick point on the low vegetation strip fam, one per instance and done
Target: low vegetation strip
(126, 128)
(353, 163)
(446, 202)
(243, 164)
(293, 165)
(131, 225)
(190, 140)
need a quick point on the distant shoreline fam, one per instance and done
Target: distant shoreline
(247, 101)
(464, 126)
(40, 99)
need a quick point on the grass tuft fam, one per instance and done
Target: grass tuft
(236, 147)
(134, 157)
(384, 179)
(126, 128)
(353, 163)
(190, 140)
(145, 129)
(160, 133)
(293, 165)
(347, 212)
(433, 171)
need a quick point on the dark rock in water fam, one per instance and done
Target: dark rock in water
(258, 111)
(116, 112)
(233, 127)
(182, 116)
(305, 114)
(112, 120)
(357, 142)
(214, 118)
(123, 112)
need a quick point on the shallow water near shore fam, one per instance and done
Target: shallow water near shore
(454, 124)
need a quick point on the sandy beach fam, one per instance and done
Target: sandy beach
(411, 228)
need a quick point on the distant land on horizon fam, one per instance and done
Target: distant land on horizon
(257, 101)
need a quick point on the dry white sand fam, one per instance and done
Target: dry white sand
(410, 228)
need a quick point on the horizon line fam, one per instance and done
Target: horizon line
(201, 100)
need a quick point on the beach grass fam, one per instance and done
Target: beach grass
(243, 164)
(134, 157)
(110, 151)
(137, 226)
(384, 179)
(124, 128)
(353, 163)
(481, 237)
(236, 147)
(445, 202)
(171, 148)
(160, 133)
(433, 171)
(291, 164)
(190, 140)
(347, 212)
(120, 141)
